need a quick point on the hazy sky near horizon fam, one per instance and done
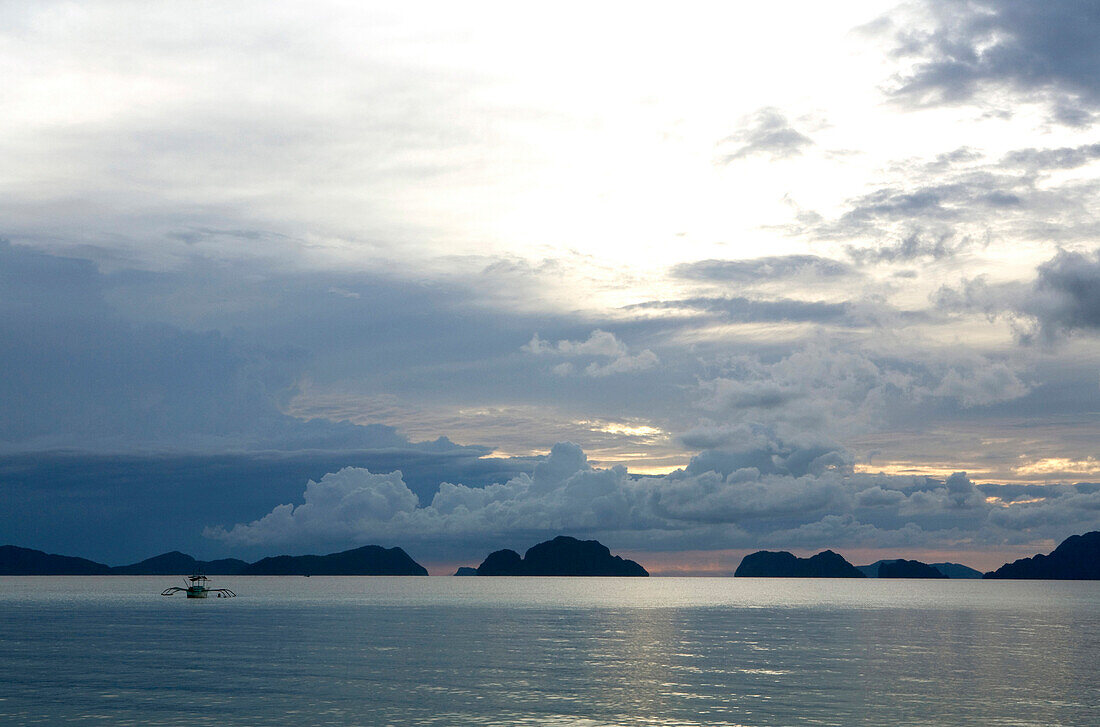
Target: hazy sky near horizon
(797, 263)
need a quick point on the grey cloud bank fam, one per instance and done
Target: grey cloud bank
(767, 493)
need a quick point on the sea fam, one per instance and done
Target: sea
(549, 651)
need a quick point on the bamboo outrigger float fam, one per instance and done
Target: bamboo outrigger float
(198, 587)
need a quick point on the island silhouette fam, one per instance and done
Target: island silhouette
(1076, 558)
(781, 564)
(562, 556)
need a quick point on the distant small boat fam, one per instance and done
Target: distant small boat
(198, 586)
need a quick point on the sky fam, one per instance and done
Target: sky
(693, 282)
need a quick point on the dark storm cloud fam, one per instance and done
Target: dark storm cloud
(766, 132)
(764, 269)
(1033, 48)
(214, 356)
(79, 374)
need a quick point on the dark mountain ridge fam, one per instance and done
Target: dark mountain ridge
(369, 560)
(16, 561)
(176, 563)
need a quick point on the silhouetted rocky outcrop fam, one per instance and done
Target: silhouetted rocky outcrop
(562, 556)
(180, 564)
(466, 570)
(781, 564)
(1076, 559)
(16, 561)
(370, 560)
(902, 568)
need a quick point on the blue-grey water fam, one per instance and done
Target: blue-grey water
(550, 651)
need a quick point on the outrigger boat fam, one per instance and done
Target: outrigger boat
(198, 587)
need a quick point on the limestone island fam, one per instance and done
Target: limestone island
(562, 556)
(781, 564)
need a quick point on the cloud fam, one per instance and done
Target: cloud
(1067, 294)
(982, 385)
(80, 373)
(801, 495)
(601, 345)
(981, 46)
(623, 364)
(768, 132)
(1062, 300)
(961, 203)
(749, 310)
(763, 269)
(341, 505)
(933, 202)
(851, 390)
(119, 508)
(1060, 158)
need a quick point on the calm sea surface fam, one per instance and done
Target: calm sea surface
(549, 651)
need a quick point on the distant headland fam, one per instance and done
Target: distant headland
(1077, 558)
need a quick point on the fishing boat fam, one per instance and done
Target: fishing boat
(198, 586)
